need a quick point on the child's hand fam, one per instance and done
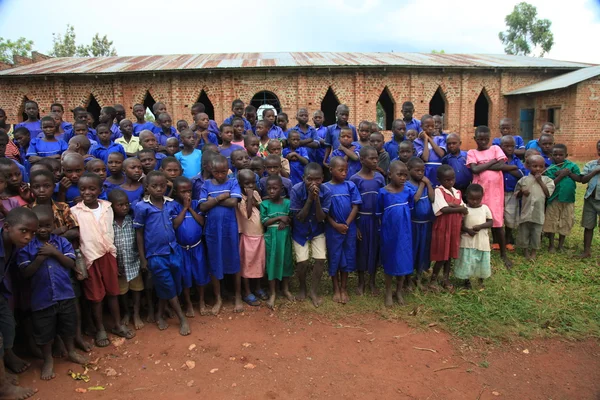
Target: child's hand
(282, 225)
(143, 264)
(341, 228)
(476, 228)
(222, 196)
(464, 210)
(47, 250)
(314, 191)
(187, 202)
(64, 184)
(426, 180)
(24, 191)
(358, 234)
(525, 192)
(286, 220)
(563, 172)
(470, 232)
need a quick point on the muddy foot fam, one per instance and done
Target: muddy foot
(58, 348)
(239, 306)
(151, 318)
(288, 295)
(184, 328)
(345, 297)
(78, 358)
(217, 307)
(137, 322)
(374, 290)
(399, 298)
(203, 310)
(337, 297)
(10, 392)
(82, 344)
(389, 300)
(125, 320)
(12, 378)
(162, 324)
(301, 295)
(48, 370)
(189, 311)
(14, 363)
(360, 290)
(316, 300)
(271, 302)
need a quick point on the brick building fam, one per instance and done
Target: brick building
(468, 90)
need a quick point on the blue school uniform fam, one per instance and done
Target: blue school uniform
(510, 181)
(137, 127)
(413, 124)
(353, 165)
(547, 160)
(227, 152)
(519, 142)
(422, 217)
(287, 187)
(332, 137)
(463, 174)
(533, 144)
(320, 152)
(392, 148)
(275, 132)
(213, 128)
(341, 249)
(101, 151)
(115, 132)
(34, 128)
(24, 171)
(435, 161)
(41, 148)
(212, 138)
(367, 254)
(197, 182)
(394, 210)
(162, 251)
(296, 167)
(189, 237)
(66, 126)
(311, 133)
(303, 231)
(221, 229)
(70, 195)
(51, 283)
(159, 157)
(247, 125)
(134, 196)
(190, 163)
(161, 138)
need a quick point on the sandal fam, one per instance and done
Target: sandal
(123, 332)
(101, 339)
(262, 294)
(251, 300)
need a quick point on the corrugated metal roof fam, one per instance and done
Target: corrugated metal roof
(129, 64)
(559, 82)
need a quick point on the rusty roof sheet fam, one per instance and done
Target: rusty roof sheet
(559, 82)
(186, 62)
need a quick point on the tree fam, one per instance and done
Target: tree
(65, 46)
(526, 32)
(438, 51)
(20, 47)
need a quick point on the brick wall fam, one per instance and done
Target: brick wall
(358, 88)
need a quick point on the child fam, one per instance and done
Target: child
(73, 168)
(188, 222)
(273, 167)
(148, 142)
(59, 132)
(226, 147)
(32, 123)
(48, 145)
(449, 209)
(218, 199)
(46, 261)
(250, 115)
(53, 165)
(105, 145)
(252, 243)
(237, 123)
(140, 124)
(81, 145)
(282, 122)
(512, 172)
(275, 216)
(15, 189)
(22, 137)
(406, 151)
(368, 181)
(97, 167)
(394, 203)
(560, 209)
(308, 135)
(95, 218)
(297, 157)
(4, 140)
(332, 141)
(318, 118)
(115, 167)
(251, 144)
(364, 132)
(198, 180)
(273, 131)
(412, 135)
(239, 161)
(486, 164)
(107, 117)
(408, 109)
(202, 125)
(133, 188)
(129, 142)
(474, 254)
(591, 202)
(457, 159)
(506, 129)
(421, 216)
(340, 232)
(310, 203)
(172, 169)
(263, 138)
(430, 148)
(257, 165)
(6, 203)
(376, 140)
(533, 190)
(546, 143)
(172, 146)
(158, 249)
(398, 136)
(182, 125)
(237, 107)
(19, 228)
(274, 147)
(189, 157)
(348, 151)
(547, 128)
(148, 159)
(164, 130)
(80, 128)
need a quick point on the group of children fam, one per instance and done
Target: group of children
(93, 213)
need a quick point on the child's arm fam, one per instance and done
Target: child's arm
(562, 173)
(303, 160)
(419, 191)
(349, 152)
(303, 213)
(199, 218)
(511, 169)
(479, 168)
(430, 190)
(212, 202)
(341, 228)
(352, 215)
(319, 212)
(470, 231)
(440, 152)
(44, 252)
(327, 154)
(454, 208)
(139, 233)
(594, 172)
(63, 185)
(178, 220)
(538, 179)
(425, 154)
(250, 203)
(32, 268)
(489, 223)
(229, 202)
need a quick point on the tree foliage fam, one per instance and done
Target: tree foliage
(526, 32)
(66, 46)
(438, 51)
(20, 47)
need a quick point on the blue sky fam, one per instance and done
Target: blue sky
(201, 26)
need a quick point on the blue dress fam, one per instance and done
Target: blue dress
(227, 152)
(353, 166)
(221, 229)
(189, 237)
(341, 249)
(367, 254)
(394, 209)
(296, 167)
(134, 196)
(434, 162)
(42, 148)
(422, 218)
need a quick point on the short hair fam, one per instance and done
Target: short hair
(20, 214)
(219, 159)
(313, 167)
(425, 118)
(414, 162)
(50, 162)
(346, 130)
(364, 123)
(342, 107)
(546, 135)
(91, 175)
(180, 121)
(294, 132)
(234, 119)
(118, 107)
(173, 138)
(273, 157)
(274, 178)
(4, 135)
(153, 174)
(102, 126)
(169, 160)
(210, 148)
(146, 151)
(265, 110)
(223, 126)
(57, 105)
(507, 138)
(110, 111)
(22, 130)
(272, 141)
(257, 160)
(396, 122)
(117, 194)
(78, 122)
(396, 164)
(442, 170)
(31, 102)
(248, 138)
(139, 105)
(163, 116)
(43, 211)
(474, 188)
(47, 118)
(246, 174)
(156, 105)
(116, 153)
(408, 104)
(378, 134)
(236, 101)
(282, 114)
(146, 132)
(337, 160)
(207, 157)
(77, 110)
(198, 106)
(235, 153)
(46, 172)
(180, 180)
(407, 143)
(364, 151)
(7, 162)
(548, 124)
(560, 146)
(482, 129)
(88, 165)
(249, 109)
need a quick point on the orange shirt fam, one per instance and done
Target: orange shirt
(97, 236)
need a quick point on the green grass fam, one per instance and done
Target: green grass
(555, 295)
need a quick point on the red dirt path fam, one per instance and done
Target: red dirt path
(299, 355)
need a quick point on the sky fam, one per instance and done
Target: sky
(229, 26)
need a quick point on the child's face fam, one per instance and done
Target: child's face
(376, 141)
(80, 129)
(546, 144)
(31, 109)
(73, 170)
(133, 169)
(139, 112)
(274, 147)
(104, 117)
(261, 129)
(98, 168)
(148, 162)
(346, 139)
(157, 186)
(313, 178)
(115, 164)
(172, 146)
(437, 122)
(364, 131)
(282, 122)
(536, 165)
(257, 167)
(483, 140)
(342, 116)
(45, 227)
(474, 199)
(269, 118)
(251, 117)
(183, 191)
(407, 112)
(119, 114)
(182, 125)
(302, 117)
(548, 129)
(172, 170)
(339, 171)
(453, 145)
(558, 155)
(202, 121)
(121, 207)
(238, 109)
(398, 175)
(57, 122)
(126, 127)
(508, 148)
(294, 140)
(58, 111)
(56, 171)
(49, 128)
(22, 139)
(447, 179)
(103, 134)
(13, 176)
(238, 128)
(252, 145)
(148, 141)
(165, 122)
(274, 190)
(272, 167)
(248, 183)
(219, 172)
(428, 127)
(227, 134)
(2, 184)
(411, 135)
(505, 128)
(405, 152)
(318, 120)
(188, 140)
(370, 160)
(240, 160)
(161, 109)
(89, 190)
(417, 172)
(89, 119)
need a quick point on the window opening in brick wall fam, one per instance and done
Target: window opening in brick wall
(264, 100)
(554, 116)
(437, 105)
(482, 110)
(209, 109)
(385, 110)
(148, 103)
(94, 108)
(328, 106)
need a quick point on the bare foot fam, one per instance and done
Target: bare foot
(151, 318)
(316, 300)
(551, 250)
(12, 378)
(11, 392)
(48, 369)
(137, 322)
(35, 349)
(344, 296)
(374, 290)
(125, 320)
(400, 298)
(239, 306)
(189, 311)
(82, 344)
(434, 287)
(169, 313)
(184, 328)
(419, 285)
(360, 290)
(585, 254)
(14, 363)
(203, 310)
(271, 302)
(389, 300)
(217, 307)
(162, 324)
(507, 263)
(301, 295)
(78, 358)
(337, 297)
(58, 348)
(288, 295)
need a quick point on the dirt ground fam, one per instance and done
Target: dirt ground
(289, 355)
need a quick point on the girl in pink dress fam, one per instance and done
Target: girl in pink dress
(487, 163)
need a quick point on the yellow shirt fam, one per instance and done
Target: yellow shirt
(132, 147)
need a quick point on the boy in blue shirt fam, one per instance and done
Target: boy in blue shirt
(105, 145)
(237, 107)
(457, 159)
(73, 168)
(140, 124)
(408, 109)
(332, 138)
(514, 170)
(164, 131)
(506, 129)
(274, 131)
(107, 116)
(47, 146)
(189, 157)
(308, 135)
(310, 203)
(398, 136)
(297, 156)
(318, 118)
(150, 144)
(47, 261)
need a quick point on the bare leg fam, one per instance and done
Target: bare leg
(113, 307)
(588, 235)
(184, 328)
(272, 294)
(286, 289)
(337, 297)
(151, 318)
(218, 300)
(247, 290)
(301, 269)
(447, 284)
(419, 278)
(48, 366)
(508, 235)
(124, 301)
(551, 248)
(533, 254)
(86, 316)
(73, 355)
(399, 284)
(502, 242)
(202, 302)
(372, 285)
(317, 273)
(239, 305)
(189, 308)
(561, 242)
(97, 315)
(160, 315)
(433, 282)
(360, 289)
(137, 321)
(344, 288)
(389, 300)
(8, 391)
